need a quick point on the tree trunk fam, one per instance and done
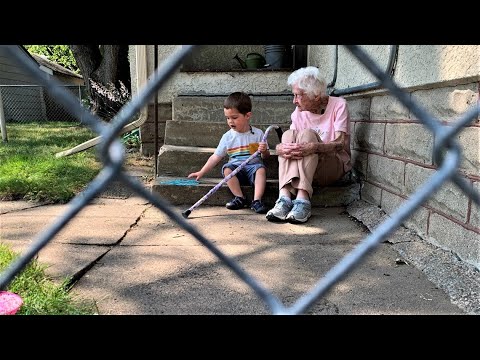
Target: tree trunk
(108, 66)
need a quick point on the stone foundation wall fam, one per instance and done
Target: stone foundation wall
(393, 154)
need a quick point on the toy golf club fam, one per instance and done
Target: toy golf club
(187, 212)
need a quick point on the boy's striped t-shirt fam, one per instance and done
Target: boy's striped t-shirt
(239, 146)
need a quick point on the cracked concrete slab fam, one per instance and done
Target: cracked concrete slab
(151, 265)
(9, 206)
(162, 269)
(458, 279)
(190, 280)
(102, 224)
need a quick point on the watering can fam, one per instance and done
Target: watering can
(253, 61)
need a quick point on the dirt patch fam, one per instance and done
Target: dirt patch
(136, 165)
(141, 166)
(136, 158)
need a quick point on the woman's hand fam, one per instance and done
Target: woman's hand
(295, 151)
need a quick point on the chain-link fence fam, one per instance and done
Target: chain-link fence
(33, 103)
(447, 155)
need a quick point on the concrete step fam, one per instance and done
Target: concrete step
(203, 134)
(179, 161)
(192, 136)
(166, 187)
(266, 108)
(170, 188)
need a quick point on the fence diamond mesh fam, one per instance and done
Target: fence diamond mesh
(33, 103)
(447, 155)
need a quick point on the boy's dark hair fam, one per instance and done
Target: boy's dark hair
(240, 101)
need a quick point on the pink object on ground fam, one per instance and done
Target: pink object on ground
(9, 303)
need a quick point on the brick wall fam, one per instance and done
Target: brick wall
(393, 153)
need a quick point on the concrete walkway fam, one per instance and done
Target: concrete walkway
(132, 259)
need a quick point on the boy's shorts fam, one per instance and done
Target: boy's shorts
(246, 176)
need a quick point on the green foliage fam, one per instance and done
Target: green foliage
(30, 170)
(60, 54)
(131, 139)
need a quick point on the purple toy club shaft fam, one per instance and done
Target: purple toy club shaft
(233, 173)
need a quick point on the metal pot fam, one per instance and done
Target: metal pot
(253, 61)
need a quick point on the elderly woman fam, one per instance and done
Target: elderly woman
(316, 148)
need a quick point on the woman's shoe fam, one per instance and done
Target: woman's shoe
(301, 212)
(282, 207)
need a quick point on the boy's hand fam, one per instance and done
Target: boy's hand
(262, 146)
(197, 175)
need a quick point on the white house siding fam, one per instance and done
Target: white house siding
(393, 150)
(11, 73)
(24, 99)
(218, 81)
(20, 103)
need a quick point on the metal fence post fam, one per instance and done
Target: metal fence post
(3, 124)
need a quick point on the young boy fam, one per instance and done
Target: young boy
(239, 143)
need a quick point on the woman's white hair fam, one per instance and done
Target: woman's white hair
(309, 80)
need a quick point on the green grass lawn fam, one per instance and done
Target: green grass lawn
(40, 295)
(29, 169)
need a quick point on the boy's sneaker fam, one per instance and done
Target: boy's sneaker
(236, 203)
(282, 207)
(258, 207)
(300, 212)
